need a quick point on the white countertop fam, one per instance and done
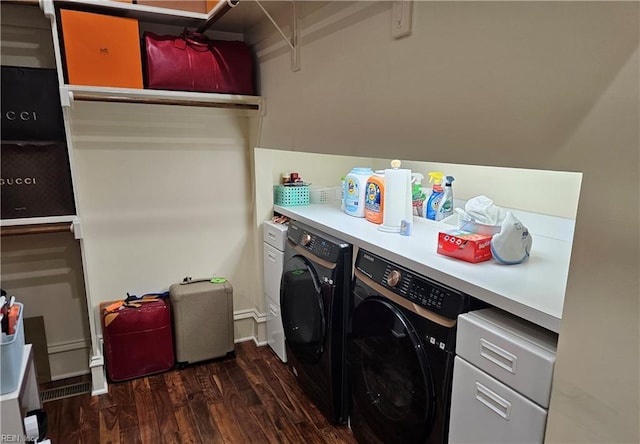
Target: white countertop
(533, 290)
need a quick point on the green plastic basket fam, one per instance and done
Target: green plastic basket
(291, 196)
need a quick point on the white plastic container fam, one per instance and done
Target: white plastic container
(11, 357)
(354, 191)
(323, 195)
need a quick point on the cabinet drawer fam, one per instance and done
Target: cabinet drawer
(512, 350)
(483, 410)
(273, 260)
(275, 234)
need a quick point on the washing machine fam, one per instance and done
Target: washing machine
(314, 305)
(401, 351)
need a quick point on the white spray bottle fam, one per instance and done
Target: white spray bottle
(445, 209)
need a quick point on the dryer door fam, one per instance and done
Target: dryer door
(392, 388)
(302, 309)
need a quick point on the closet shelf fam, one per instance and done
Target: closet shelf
(160, 97)
(38, 221)
(153, 14)
(144, 13)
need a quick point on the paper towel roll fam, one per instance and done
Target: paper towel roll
(397, 199)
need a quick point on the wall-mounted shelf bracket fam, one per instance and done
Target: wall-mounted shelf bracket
(292, 42)
(66, 97)
(76, 229)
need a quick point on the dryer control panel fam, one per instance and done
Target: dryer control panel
(322, 246)
(419, 289)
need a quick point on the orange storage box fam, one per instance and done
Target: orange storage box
(101, 50)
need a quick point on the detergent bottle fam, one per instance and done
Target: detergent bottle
(417, 196)
(445, 209)
(354, 190)
(433, 203)
(374, 198)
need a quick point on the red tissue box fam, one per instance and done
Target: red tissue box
(470, 247)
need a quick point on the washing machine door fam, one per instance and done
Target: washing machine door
(302, 309)
(392, 388)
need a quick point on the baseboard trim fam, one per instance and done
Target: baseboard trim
(250, 313)
(71, 375)
(250, 338)
(67, 346)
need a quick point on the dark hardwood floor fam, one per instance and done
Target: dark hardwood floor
(252, 398)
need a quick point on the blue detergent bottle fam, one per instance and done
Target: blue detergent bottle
(355, 191)
(433, 203)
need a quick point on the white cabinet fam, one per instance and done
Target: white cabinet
(275, 236)
(501, 379)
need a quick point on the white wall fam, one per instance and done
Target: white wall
(317, 169)
(596, 385)
(519, 188)
(163, 193)
(538, 85)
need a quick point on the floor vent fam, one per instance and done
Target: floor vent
(66, 391)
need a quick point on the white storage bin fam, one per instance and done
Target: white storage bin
(275, 234)
(514, 351)
(11, 357)
(321, 195)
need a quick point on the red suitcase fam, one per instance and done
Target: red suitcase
(138, 339)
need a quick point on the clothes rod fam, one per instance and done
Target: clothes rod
(220, 9)
(89, 97)
(20, 230)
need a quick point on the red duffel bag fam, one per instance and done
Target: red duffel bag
(193, 62)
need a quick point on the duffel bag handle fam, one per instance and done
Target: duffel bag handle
(197, 41)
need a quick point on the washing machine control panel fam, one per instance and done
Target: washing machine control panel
(418, 289)
(318, 245)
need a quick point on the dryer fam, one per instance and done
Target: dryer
(314, 301)
(401, 352)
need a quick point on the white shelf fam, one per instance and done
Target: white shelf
(141, 12)
(37, 220)
(162, 97)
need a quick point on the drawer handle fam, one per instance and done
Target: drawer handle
(495, 402)
(498, 356)
(271, 256)
(270, 235)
